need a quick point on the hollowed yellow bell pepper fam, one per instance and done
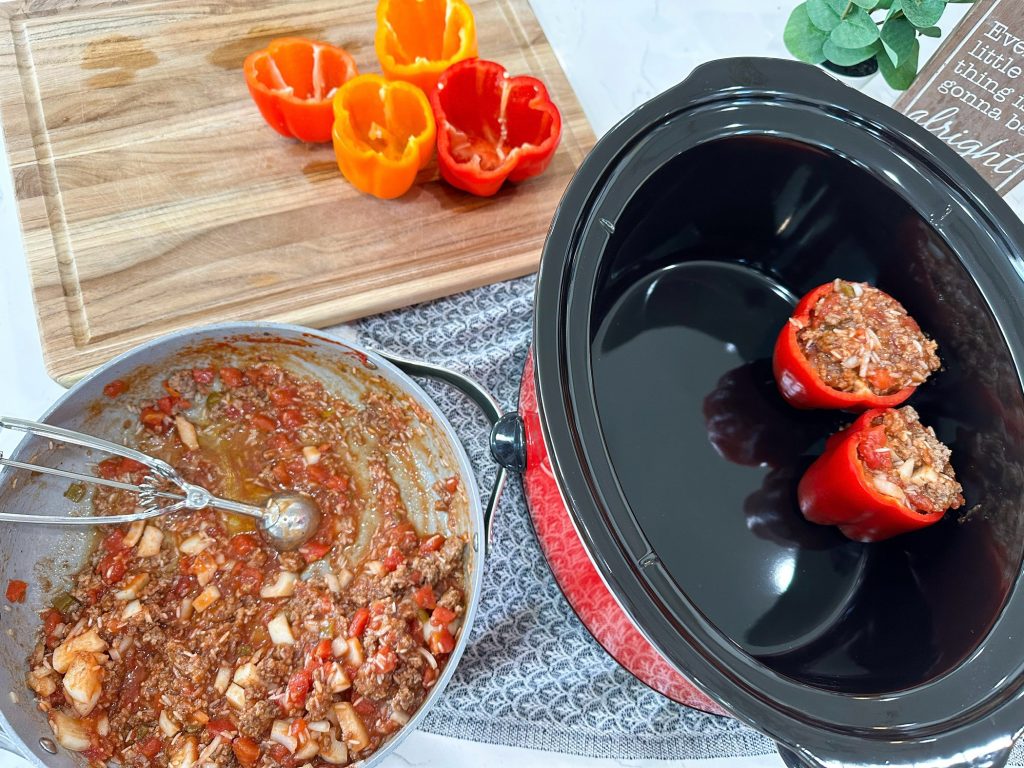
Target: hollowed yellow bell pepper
(383, 134)
(417, 40)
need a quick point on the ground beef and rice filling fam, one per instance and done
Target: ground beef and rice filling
(859, 339)
(905, 460)
(187, 640)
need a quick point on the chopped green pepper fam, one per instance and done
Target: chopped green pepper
(64, 603)
(75, 492)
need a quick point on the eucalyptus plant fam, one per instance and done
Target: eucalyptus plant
(851, 32)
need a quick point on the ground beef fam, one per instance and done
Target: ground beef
(859, 339)
(907, 461)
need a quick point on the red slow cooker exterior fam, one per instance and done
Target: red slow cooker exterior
(578, 578)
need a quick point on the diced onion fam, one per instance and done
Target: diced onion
(319, 726)
(186, 755)
(338, 680)
(283, 586)
(279, 733)
(307, 751)
(195, 544)
(130, 610)
(206, 598)
(131, 538)
(235, 696)
(906, 470)
(87, 642)
(223, 679)
(168, 724)
(428, 656)
(888, 487)
(335, 754)
(280, 631)
(311, 454)
(246, 675)
(103, 725)
(399, 716)
(134, 586)
(187, 432)
(354, 656)
(185, 609)
(333, 585)
(356, 736)
(149, 544)
(339, 646)
(71, 733)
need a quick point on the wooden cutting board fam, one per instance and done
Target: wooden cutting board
(153, 196)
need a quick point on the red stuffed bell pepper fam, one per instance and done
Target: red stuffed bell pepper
(884, 475)
(492, 127)
(851, 346)
(293, 82)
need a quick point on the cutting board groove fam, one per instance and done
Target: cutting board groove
(153, 197)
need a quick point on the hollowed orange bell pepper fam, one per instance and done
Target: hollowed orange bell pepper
(492, 127)
(383, 134)
(293, 81)
(417, 40)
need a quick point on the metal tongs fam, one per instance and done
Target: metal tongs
(288, 519)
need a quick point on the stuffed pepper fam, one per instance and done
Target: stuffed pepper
(883, 475)
(293, 81)
(849, 345)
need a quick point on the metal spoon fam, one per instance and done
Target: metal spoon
(288, 519)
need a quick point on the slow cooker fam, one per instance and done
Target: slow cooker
(660, 464)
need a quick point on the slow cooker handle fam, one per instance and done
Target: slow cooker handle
(996, 757)
(483, 400)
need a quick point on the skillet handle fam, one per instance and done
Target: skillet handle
(484, 401)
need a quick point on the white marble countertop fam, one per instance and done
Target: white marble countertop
(617, 55)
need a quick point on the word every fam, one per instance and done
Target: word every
(992, 155)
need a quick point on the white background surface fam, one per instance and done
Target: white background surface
(617, 54)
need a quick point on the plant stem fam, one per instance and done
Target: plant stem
(849, 7)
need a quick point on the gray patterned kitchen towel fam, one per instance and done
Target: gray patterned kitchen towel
(532, 676)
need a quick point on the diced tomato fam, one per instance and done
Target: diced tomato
(166, 404)
(442, 616)
(880, 379)
(314, 550)
(405, 537)
(112, 568)
(281, 473)
(415, 577)
(433, 543)
(281, 442)
(232, 377)
(280, 754)
(247, 751)
(385, 659)
(318, 473)
(452, 484)
(51, 620)
(283, 396)
(242, 544)
(430, 676)
(920, 501)
(337, 483)
(220, 725)
(367, 709)
(442, 642)
(108, 468)
(249, 579)
(292, 418)
(323, 649)
(359, 622)
(98, 754)
(424, 597)
(263, 422)
(873, 449)
(298, 688)
(16, 590)
(115, 388)
(183, 584)
(393, 559)
(151, 747)
(113, 541)
(203, 376)
(299, 729)
(152, 419)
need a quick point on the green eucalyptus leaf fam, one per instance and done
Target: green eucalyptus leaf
(898, 39)
(847, 57)
(932, 31)
(802, 38)
(923, 13)
(826, 14)
(887, 4)
(895, 8)
(902, 76)
(866, 4)
(856, 30)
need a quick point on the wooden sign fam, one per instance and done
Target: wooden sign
(971, 93)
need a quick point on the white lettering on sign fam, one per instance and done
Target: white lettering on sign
(991, 155)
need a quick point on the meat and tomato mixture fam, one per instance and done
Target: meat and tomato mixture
(906, 461)
(187, 641)
(860, 339)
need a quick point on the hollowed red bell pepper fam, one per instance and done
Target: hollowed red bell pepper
(837, 488)
(800, 383)
(492, 127)
(293, 82)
